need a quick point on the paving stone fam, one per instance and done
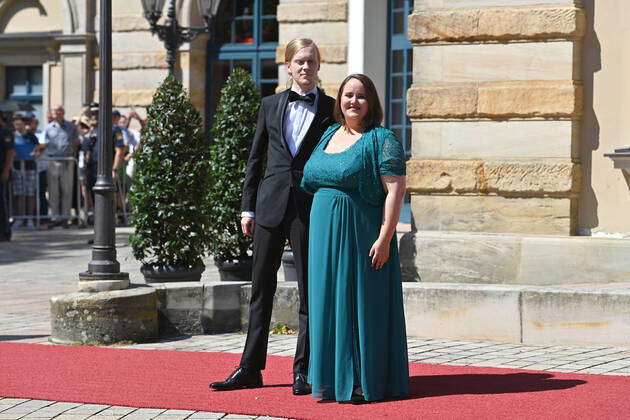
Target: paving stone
(116, 411)
(52, 410)
(204, 415)
(86, 409)
(12, 401)
(25, 408)
(174, 414)
(144, 414)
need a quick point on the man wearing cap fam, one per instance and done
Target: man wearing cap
(61, 140)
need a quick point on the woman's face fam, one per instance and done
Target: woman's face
(354, 105)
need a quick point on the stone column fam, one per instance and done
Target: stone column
(192, 60)
(326, 23)
(138, 58)
(495, 104)
(75, 56)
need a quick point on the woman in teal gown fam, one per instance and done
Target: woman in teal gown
(358, 346)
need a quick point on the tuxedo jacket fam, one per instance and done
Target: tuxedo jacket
(268, 194)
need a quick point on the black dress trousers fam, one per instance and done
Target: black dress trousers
(268, 248)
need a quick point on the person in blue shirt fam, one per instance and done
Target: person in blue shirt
(61, 142)
(24, 176)
(7, 153)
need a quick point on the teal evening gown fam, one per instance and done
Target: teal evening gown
(356, 316)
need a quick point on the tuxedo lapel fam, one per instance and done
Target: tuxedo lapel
(281, 108)
(319, 116)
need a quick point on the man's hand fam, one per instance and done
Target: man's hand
(247, 226)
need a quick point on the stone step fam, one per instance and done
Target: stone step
(507, 313)
(494, 258)
(542, 315)
(546, 315)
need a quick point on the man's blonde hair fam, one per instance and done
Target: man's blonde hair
(296, 45)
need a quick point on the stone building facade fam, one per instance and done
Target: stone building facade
(506, 109)
(508, 168)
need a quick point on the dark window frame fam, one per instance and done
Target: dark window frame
(256, 52)
(398, 42)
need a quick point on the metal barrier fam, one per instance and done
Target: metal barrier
(81, 213)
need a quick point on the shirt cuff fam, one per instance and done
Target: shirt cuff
(248, 214)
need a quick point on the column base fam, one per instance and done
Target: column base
(89, 282)
(118, 316)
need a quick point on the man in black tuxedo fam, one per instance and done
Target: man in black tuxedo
(274, 207)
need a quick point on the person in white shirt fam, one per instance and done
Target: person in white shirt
(32, 125)
(275, 209)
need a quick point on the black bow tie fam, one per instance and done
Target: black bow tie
(309, 98)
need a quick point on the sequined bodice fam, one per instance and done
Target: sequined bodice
(335, 170)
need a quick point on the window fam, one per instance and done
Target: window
(246, 36)
(399, 71)
(24, 84)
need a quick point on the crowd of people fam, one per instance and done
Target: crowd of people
(47, 175)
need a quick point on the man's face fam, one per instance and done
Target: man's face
(303, 68)
(33, 123)
(58, 113)
(122, 121)
(19, 125)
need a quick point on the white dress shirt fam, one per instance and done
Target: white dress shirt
(298, 117)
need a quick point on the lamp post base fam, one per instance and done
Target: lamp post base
(89, 282)
(128, 315)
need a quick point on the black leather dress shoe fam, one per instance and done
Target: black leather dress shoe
(300, 385)
(239, 379)
(357, 397)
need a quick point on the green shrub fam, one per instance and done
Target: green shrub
(170, 187)
(233, 130)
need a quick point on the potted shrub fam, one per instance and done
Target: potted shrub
(170, 189)
(233, 130)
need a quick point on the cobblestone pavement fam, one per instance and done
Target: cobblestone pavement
(28, 280)
(598, 360)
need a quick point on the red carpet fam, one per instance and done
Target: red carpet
(179, 380)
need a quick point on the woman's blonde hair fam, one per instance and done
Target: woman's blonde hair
(296, 45)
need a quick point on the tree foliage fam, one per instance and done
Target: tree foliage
(170, 188)
(233, 130)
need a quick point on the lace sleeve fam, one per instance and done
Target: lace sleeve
(391, 156)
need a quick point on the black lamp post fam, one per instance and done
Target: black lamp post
(171, 33)
(104, 270)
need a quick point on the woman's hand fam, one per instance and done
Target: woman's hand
(379, 253)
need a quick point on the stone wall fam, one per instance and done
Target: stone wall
(58, 37)
(139, 58)
(326, 23)
(495, 106)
